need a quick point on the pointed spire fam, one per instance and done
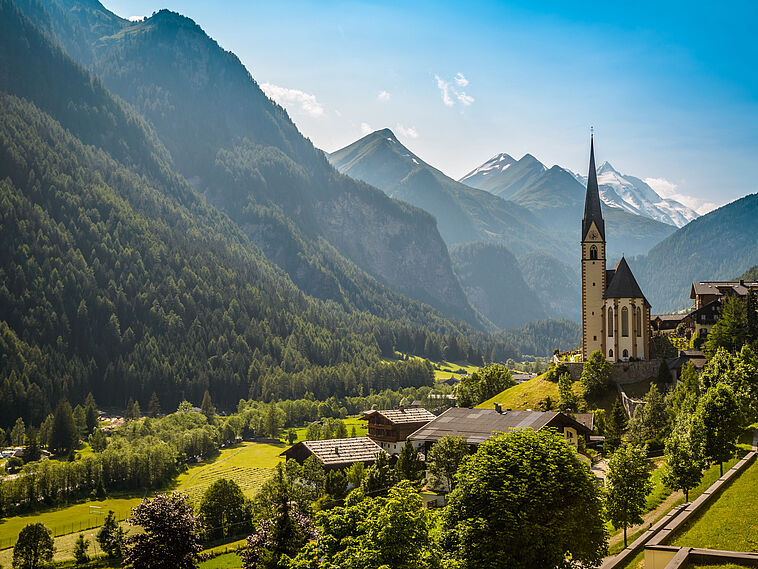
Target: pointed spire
(592, 208)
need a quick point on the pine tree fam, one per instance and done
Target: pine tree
(615, 428)
(18, 433)
(90, 413)
(64, 436)
(129, 409)
(154, 407)
(111, 537)
(80, 550)
(32, 451)
(207, 408)
(408, 465)
(567, 397)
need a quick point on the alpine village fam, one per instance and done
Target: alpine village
(224, 347)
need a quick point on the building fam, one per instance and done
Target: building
(615, 313)
(335, 454)
(478, 425)
(708, 297)
(390, 428)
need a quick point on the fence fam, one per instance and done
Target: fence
(64, 529)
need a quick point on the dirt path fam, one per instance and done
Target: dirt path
(649, 518)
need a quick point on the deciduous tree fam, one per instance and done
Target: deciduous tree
(408, 465)
(34, 547)
(171, 534)
(223, 510)
(719, 413)
(444, 458)
(525, 500)
(627, 486)
(596, 373)
(685, 459)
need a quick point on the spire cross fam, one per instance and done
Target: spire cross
(592, 131)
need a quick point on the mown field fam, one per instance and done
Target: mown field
(248, 463)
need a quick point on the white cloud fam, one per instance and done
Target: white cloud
(136, 18)
(366, 128)
(383, 96)
(444, 86)
(407, 132)
(451, 93)
(668, 190)
(294, 97)
(465, 99)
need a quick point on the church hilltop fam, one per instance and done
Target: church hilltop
(615, 312)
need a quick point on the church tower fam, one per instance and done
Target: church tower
(593, 266)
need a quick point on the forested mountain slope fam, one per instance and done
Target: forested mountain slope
(718, 245)
(116, 277)
(244, 153)
(492, 280)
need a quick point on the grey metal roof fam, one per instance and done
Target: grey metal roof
(341, 451)
(402, 416)
(623, 284)
(718, 288)
(478, 425)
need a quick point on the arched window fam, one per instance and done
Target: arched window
(626, 353)
(610, 321)
(639, 322)
(593, 252)
(624, 321)
(610, 353)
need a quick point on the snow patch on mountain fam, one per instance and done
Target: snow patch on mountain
(635, 196)
(500, 163)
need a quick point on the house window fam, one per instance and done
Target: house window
(610, 353)
(610, 321)
(626, 354)
(593, 252)
(639, 322)
(624, 321)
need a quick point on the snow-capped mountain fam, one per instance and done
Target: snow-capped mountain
(505, 176)
(635, 196)
(509, 178)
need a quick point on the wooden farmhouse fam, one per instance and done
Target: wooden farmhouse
(335, 454)
(389, 428)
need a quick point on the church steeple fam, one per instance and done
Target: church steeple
(592, 209)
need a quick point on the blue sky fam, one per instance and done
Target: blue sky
(671, 88)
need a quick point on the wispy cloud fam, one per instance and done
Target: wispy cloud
(288, 98)
(406, 132)
(670, 190)
(384, 96)
(444, 87)
(451, 93)
(366, 128)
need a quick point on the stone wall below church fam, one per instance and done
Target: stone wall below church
(623, 373)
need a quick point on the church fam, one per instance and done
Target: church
(615, 313)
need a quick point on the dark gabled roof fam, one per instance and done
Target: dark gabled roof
(586, 419)
(403, 416)
(623, 284)
(720, 288)
(339, 451)
(592, 207)
(478, 425)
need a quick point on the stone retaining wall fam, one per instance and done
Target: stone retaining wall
(622, 373)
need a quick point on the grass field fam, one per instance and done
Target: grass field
(350, 422)
(527, 395)
(730, 522)
(446, 370)
(225, 561)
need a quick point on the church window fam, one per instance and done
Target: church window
(624, 321)
(626, 353)
(593, 252)
(594, 338)
(610, 353)
(639, 322)
(610, 321)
